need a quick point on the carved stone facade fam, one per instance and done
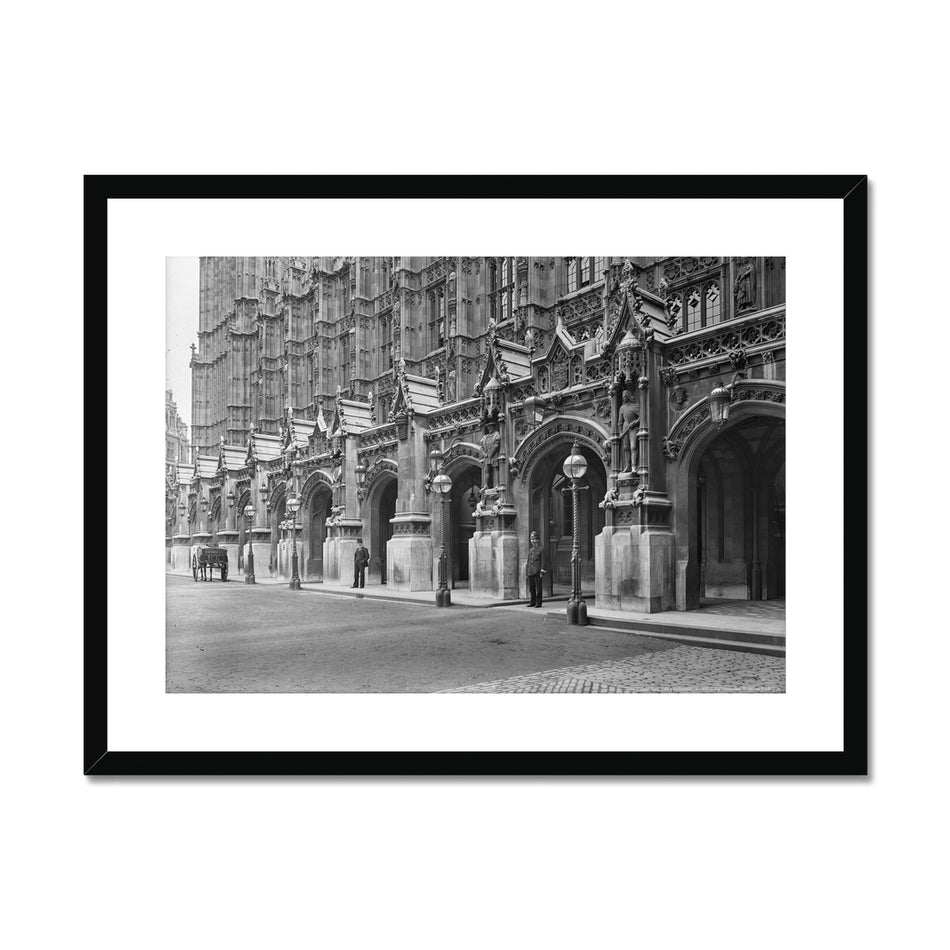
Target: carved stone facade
(336, 378)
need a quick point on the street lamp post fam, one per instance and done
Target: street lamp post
(575, 467)
(249, 513)
(293, 503)
(442, 483)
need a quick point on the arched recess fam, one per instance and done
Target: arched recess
(316, 500)
(244, 499)
(539, 459)
(465, 470)
(278, 511)
(214, 519)
(724, 492)
(381, 489)
(560, 433)
(551, 512)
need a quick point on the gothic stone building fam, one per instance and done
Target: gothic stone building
(176, 437)
(332, 380)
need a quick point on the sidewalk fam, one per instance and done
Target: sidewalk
(746, 627)
(703, 618)
(460, 597)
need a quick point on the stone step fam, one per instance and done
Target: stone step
(723, 638)
(724, 632)
(714, 643)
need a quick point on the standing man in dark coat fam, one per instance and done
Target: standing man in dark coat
(360, 560)
(534, 570)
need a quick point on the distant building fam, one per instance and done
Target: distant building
(176, 437)
(334, 379)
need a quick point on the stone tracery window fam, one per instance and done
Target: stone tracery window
(385, 346)
(437, 318)
(501, 288)
(694, 310)
(713, 305)
(571, 274)
(703, 306)
(581, 272)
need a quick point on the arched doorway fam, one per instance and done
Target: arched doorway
(243, 501)
(552, 515)
(730, 511)
(381, 504)
(277, 514)
(466, 479)
(313, 524)
(214, 520)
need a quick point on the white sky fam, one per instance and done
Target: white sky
(181, 328)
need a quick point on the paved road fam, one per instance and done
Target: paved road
(238, 638)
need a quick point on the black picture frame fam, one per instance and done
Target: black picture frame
(851, 190)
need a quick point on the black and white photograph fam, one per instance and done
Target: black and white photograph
(433, 587)
(488, 474)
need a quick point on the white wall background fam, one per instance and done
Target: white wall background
(237, 88)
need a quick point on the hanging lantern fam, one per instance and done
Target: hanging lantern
(533, 408)
(719, 400)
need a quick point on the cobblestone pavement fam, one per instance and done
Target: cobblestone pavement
(682, 669)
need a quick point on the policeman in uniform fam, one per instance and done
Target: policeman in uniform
(534, 571)
(360, 560)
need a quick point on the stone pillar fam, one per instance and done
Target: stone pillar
(616, 451)
(634, 558)
(494, 561)
(181, 539)
(643, 435)
(409, 551)
(228, 535)
(260, 532)
(338, 550)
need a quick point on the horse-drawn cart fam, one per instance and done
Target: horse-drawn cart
(205, 560)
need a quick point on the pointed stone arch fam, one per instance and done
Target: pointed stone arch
(562, 430)
(378, 508)
(694, 424)
(686, 445)
(316, 497)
